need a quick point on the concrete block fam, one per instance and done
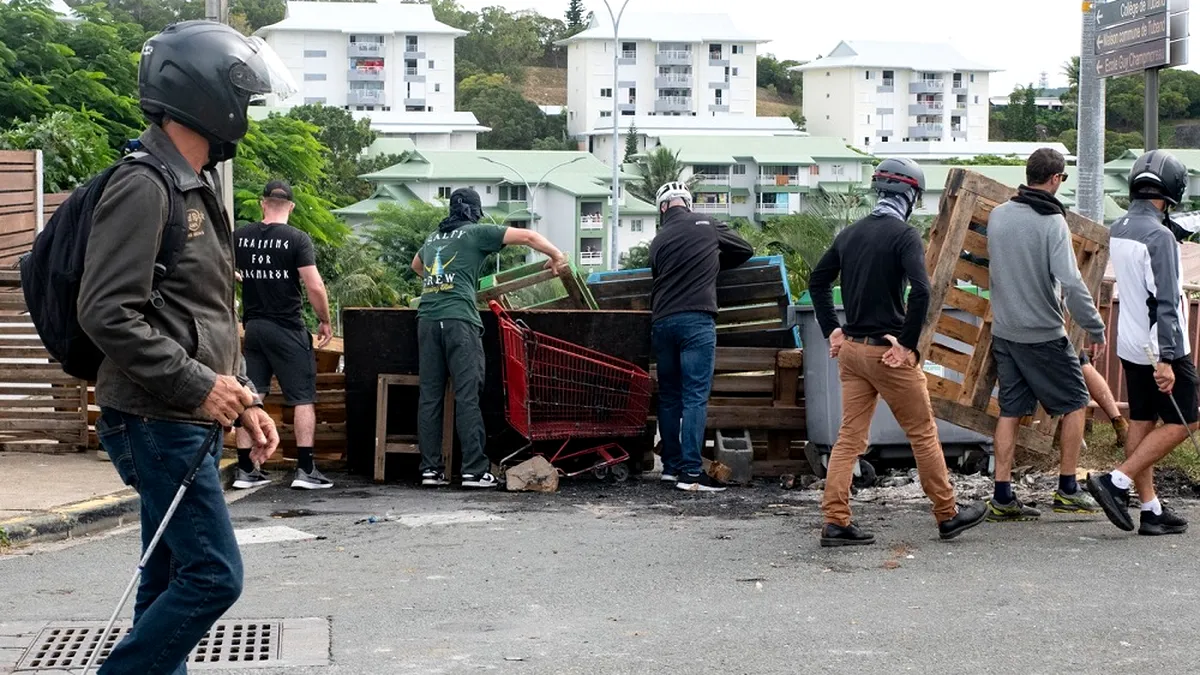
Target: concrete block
(736, 451)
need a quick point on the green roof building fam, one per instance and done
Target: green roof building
(563, 195)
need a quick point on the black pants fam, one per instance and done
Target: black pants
(455, 349)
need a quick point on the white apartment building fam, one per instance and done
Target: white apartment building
(880, 92)
(651, 131)
(673, 65)
(384, 56)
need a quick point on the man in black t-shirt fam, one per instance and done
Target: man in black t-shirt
(273, 260)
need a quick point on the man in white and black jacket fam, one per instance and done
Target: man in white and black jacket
(1145, 253)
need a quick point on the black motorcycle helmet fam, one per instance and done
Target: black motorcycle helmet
(1158, 175)
(204, 74)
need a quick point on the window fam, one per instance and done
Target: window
(444, 192)
(977, 99)
(314, 53)
(868, 119)
(738, 170)
(410, 43)
(635, 225)
(866, 140)
(314, 77)
(883, 139)
(431, 64)
(489, 189)
(606, 113)
(868, 74)
(738, 49)
(718, 96)
(513, 193)
(739, 199)
(827, 96)
(437, 87)
(814, 170)
(314, 100)
(606, 92)
(735, 72)
(972, 77)
(629, 50)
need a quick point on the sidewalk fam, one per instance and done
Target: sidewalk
(46, 497)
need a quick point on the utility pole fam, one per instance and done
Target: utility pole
(1151, 112)
(218, 10)
(1090, 147)
(614, 255)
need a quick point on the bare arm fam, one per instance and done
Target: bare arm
(418, 266)
(520, 237)
(317, 296)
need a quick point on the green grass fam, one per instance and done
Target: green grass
(1103, 454)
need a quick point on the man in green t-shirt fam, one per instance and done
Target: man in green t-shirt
(449, 331)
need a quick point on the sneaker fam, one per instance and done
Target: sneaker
(312, 480)
(1168, 522)
(487, 480)
(1079, 502)
(699, 483)
(669, 478)
(836, 535)
(1114, 501)
(244, 480)
(1012, 512)
(433, 478)
(965, 519)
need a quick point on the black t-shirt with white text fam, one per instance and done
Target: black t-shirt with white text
(269, 257)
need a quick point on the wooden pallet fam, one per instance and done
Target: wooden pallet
(566, 291)
(966, 204)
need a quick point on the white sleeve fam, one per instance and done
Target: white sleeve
(1189, 221)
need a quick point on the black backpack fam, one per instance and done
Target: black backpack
(51, 272)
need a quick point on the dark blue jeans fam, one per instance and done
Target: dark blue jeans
(685, 348)
(195, 573)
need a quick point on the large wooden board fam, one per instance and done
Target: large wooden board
(961, 226)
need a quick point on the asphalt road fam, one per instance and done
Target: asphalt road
(643, 579)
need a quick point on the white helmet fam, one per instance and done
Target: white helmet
(671, 191)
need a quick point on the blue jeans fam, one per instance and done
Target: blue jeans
(685, 348)
(195, 572)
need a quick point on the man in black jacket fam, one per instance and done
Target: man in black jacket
(685, 257)
(877, 350)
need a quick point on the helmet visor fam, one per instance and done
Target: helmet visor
(264, 73)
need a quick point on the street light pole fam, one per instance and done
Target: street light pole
(218, 10)
(530, 194)
(616, 166)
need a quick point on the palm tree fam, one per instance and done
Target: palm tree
(1071, 70)
(658, 167)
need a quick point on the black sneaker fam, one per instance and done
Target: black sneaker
(1168, 522)
(484, 481)
(836, 535)
(701, 482)
(433, 478)
(965, 519)
(1114, 501)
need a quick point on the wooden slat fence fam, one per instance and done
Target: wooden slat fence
(20, 203)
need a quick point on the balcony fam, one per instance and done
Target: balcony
(717, 59)
(934, 108)
(412, 75)
(778, 209)
(925, 131)
(417, 102)
(885, 132)
(673, 57)
(366, 75)
(673, 104)
(591, 258)
(365, 97)
(591, 221)
(718, 107)
(366, 49)
(712, 179)
(710, 208)
(673, 81)
(780, 180)
(886, 87)
(927, 87)
(957, 131)
(959, 89)
(413, 53)
(627, 58)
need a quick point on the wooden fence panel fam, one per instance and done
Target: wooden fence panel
(20, 203)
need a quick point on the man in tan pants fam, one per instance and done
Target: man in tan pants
(876, 350)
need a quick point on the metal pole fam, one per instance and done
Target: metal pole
(1151, 124)
(616, 166)
(1090, 149)
(218, 10)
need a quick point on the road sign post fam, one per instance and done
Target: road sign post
(1142, 36)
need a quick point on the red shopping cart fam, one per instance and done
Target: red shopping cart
(559, 390)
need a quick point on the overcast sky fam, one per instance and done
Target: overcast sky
(1024, 37)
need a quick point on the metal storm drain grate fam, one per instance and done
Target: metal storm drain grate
(231, 643)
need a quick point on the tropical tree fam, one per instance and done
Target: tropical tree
(636, 258)
(631, 143)
(657, 167)
(74, 147)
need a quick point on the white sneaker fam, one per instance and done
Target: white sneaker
(487, 480)
(669, 478)
(433, 479)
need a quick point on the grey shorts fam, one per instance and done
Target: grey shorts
(1045, 372)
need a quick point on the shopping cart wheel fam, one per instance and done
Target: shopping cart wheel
(620, 472)
(600, 472)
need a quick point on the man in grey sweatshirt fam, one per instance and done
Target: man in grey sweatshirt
(1032, 263)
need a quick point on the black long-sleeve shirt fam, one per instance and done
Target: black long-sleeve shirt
(875, 257)
(687, 253)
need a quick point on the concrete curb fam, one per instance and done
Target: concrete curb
(83, 518)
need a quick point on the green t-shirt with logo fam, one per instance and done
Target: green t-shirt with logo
(452, 263)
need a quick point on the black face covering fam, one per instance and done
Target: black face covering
(220, 152)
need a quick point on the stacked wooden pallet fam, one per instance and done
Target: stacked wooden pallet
(966, 204)
(533, 286)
